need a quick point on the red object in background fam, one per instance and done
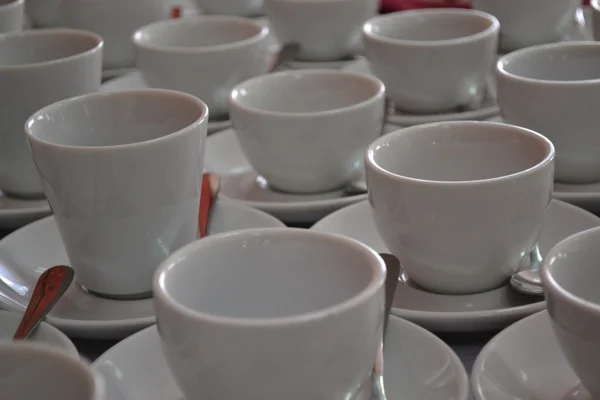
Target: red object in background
(398, 5)
(176, 12)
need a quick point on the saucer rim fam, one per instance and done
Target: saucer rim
(464, 385)
(476, 371)
(437, 317)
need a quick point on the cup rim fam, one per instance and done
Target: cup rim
(11, 4)
(99, 44)
(373, 165)
(137, 37)
(502, 72)
(261, 79)
(86, 372)
(161, 293)
(490, 30)
(550, 282)
(53, 108)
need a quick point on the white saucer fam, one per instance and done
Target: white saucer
(133, 80)
(240, 182)
(111, 73)
(487, 109)
(586, 196)
(339, 64)
(418, 366)
(14, 213)
(525, 362)
(26, 253)
(466, 313)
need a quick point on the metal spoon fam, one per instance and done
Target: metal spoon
(286, 54)
(391, 281)
(211, 184)
(528, 280)
(50, 287)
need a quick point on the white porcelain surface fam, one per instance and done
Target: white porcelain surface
(487, 108)
(26, 253)
(525, 362)
(43, 13)
(417, 366)
(271, 338)
(34, 371)
(468, 313)
(16, 212)
(205, 56)
(595, 12)
(43, 334)
(340, 64)
(65, 63)
(12, 15)
(305, 131)
(569, 274)
(241, 8)
(432, 60)
(531, 22)
(115, 21)
(240, 182)
(548, 88)
(122, 173)
(460, 203)
(334, 25)
(132, 80)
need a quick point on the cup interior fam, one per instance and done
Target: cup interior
(33, 47)
(573, 266)
(459, 152)
(198, 32)
(429, 25)
(35, 372)
(114, 119)
(301, 92)
(268, 274)
(562, 62)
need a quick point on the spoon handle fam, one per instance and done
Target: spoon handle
(51, 285)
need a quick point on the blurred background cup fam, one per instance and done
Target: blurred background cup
(305, 131)
(460, 203)
(122, 174)
(432, 60)
(529, 22)
(570, 275)
(266, 313)
(36, 371)
(38, 68)
(595, 7)
(205, 56)
(551, 89)
(115, 21)
(326, 30)
(241, 8)
(12, 15)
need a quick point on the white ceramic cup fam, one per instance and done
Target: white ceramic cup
(38, 68)
(460, 203)
(115, 21)
(122, 173)
(530, 22)
(264, 313)
(595, 10)
(432, 60)
(43, 13)
(241, 8)
(551, 89)
(35, 371)
(570, 275)
(305, 131)
(327, 30)
(12, 15)
(205, 56)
